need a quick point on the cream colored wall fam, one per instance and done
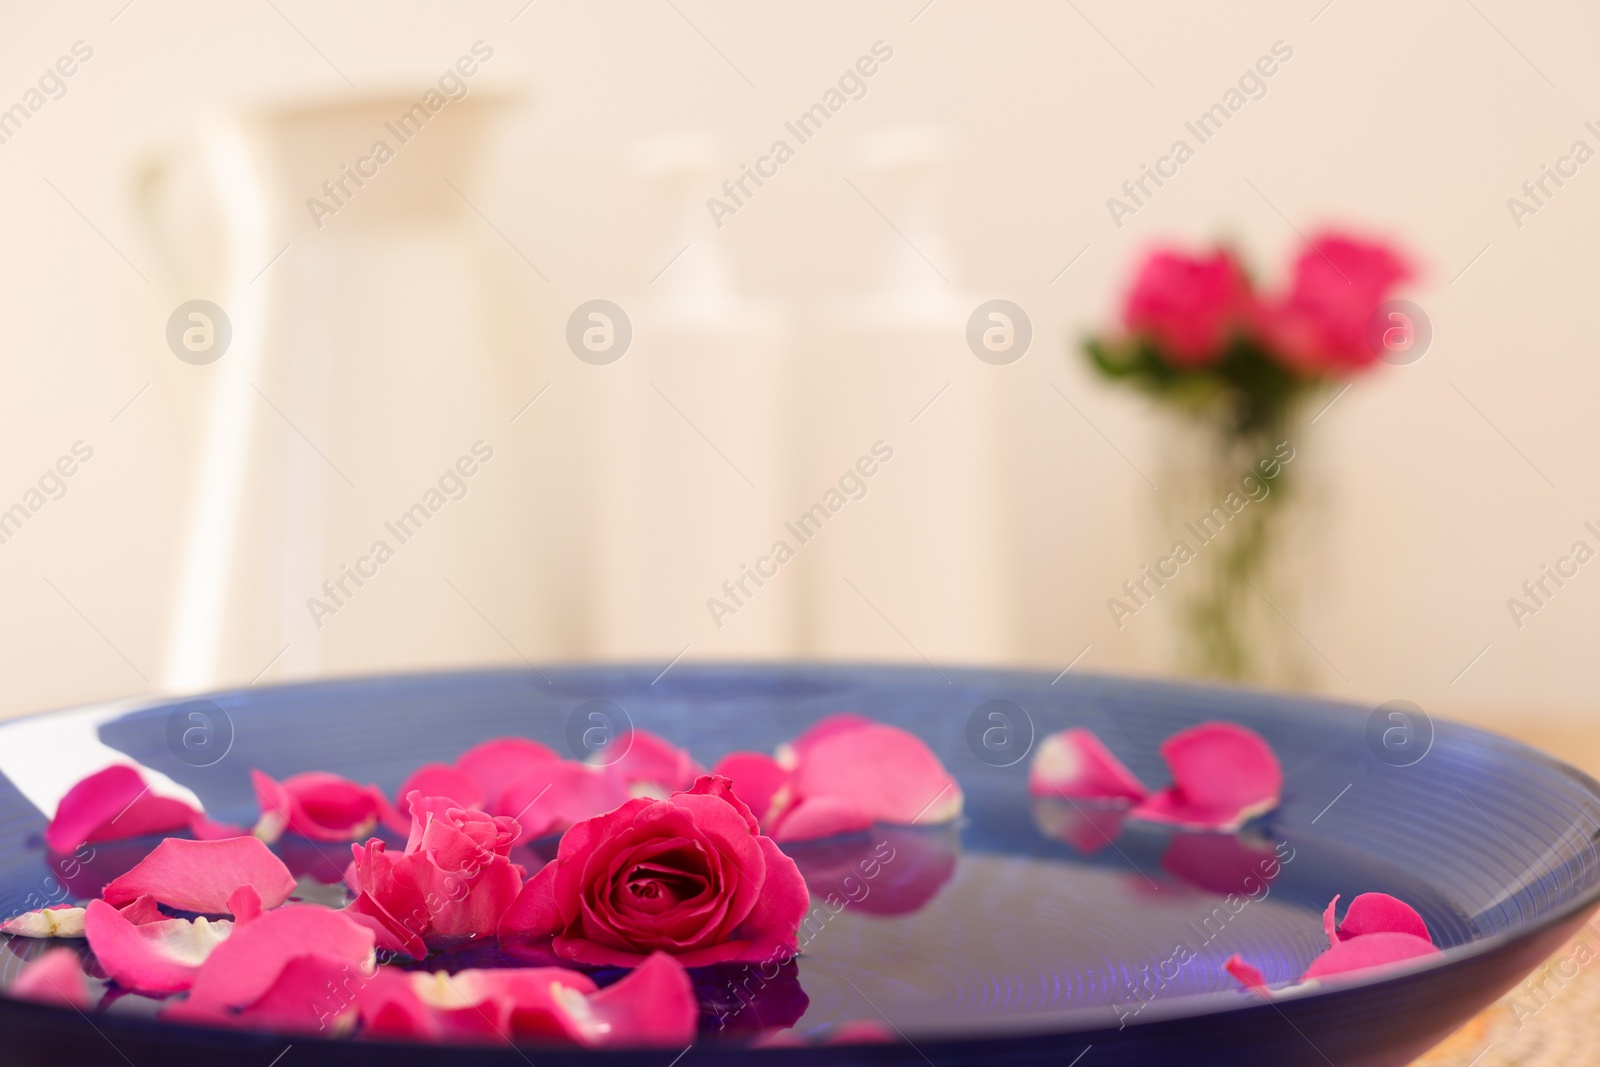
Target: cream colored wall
(1006, 517)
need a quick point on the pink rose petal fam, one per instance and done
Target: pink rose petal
(1248, 976)
(56, 977)
(883, 770)
(388, 936)
(543, 1004)
(110, 805)
(248, 965)
(650, 762)
(654, 1005)
(1379, 931)
(200, 876)
(819, 817)
(276, 806)
(756, 777)
(389, 1006)
(1076, 764)
(1367, 952)
(319, 806)
(143, 910)
(710, 785)
(156, 957)
(1222, 763)
(442, 780)
(495, 1006)
(1223, 775)
(1379, 913)
(58, 920)
(497, 764)
(535, 912)
(244, 904)
(769, 929)
(388, 901)
(840, 722)
(558, 793)
(313, 994)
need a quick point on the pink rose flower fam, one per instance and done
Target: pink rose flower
(691, 876)
(1320, 324)
(451, 883)
(1188, 305)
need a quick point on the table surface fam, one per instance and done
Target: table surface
(1552, 1018)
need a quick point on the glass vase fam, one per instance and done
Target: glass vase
(1228, 505)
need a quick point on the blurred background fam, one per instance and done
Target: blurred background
(401, 359)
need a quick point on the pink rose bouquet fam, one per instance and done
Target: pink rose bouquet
(1242, 362)
(1197, 331)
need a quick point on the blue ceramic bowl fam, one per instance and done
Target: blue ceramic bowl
(1029, 933)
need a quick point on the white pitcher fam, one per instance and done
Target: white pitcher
(367, 308)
